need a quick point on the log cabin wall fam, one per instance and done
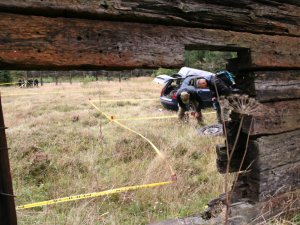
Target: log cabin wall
(116, 34)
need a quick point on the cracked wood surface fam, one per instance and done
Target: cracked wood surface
(276, 164)
(35, 42)
(256, 16)
(274, 118)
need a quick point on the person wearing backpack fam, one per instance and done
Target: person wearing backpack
(218, 88)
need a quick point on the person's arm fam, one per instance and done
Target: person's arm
(196, 96)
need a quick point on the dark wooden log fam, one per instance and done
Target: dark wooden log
(275, 166)
(248, 212)
(268, 150)
(264, 185)
(256, 16)
(58, 43)
(274, 118)
(7, 203)
(268, 86)
(243, 212)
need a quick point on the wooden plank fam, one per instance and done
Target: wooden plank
(268, 86)
(256, 16)
(7, 203)
(274, 118)
(40, 42)
(267, 151)
(269, 183)
(277, 85)
(31, 42)
(248, 212)
(275, 165)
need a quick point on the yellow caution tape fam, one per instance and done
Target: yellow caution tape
(122, 100)
(91, 195)
(8, 83)
(111, 118)
(45, 93)
(156, 117)
(148, 118)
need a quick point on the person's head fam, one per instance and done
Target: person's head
(185, 97)
(202, 83)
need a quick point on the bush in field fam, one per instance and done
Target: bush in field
(208, 60)
(88, 79)
(5, 77)
(161, 71)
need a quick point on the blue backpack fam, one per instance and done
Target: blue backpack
(227, 77)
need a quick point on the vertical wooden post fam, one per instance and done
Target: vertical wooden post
(26, 79)
(96, 75)
(120, 76)
(7, 203)
(56, 78)
(41, 78)
(70, 77)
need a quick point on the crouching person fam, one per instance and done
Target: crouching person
(187, 97)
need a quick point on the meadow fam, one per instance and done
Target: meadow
(60, 145)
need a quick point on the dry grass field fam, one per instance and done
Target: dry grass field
(62, 146)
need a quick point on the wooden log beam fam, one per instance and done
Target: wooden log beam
(7, 202)
(246, 211)
(277, 85)
(268, 86)
(256, 16)
(275, 165)
(274, 118)
(35, 42)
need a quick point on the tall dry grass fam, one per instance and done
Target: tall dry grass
(61, 146)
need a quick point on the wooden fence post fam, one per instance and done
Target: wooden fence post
(7, 203)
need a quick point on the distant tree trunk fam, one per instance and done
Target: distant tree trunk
(56, 78)
(70, 77)
(120, 76)
(26, 79)
(41, 78)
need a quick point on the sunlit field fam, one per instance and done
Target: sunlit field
(60, 145)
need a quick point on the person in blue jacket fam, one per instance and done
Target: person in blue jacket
(187, 97)
(218, 88)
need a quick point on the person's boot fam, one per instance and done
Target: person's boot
(199, 119)
(181, 114)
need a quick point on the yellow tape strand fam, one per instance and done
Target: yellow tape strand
(159, 153)
(91, 195)
(148, 118)
(156, 117)
(8, 83)
(122, 100)
(5, 94)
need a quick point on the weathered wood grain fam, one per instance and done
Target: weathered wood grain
(275, 165)
(275, 151)
(277, 85)
(59, 43)
(274, 118)
(247, 212)
(278, 180)
(256, 16)
(268, 86)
